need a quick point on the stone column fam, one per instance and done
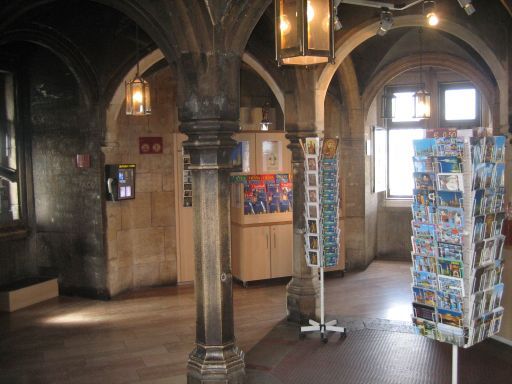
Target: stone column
(303, 289)
(209, 115)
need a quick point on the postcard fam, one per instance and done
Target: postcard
(424, 279)
(424, 197)
(448, 164)
(498, 178)
(312, 210)
(424, 263)
(450, 146)
(451, 268)
(312, 164)
(423, 247)
(424, 147)
(451, 235)
(423, 311)
(311, 145)
(450, 181)
(422, 213)
(312, 179)
(329, 148)
(451, 334)
(478, 196)
(423, 231)
(445, 316)
(450, 217)
(312, 241)
(423, 164)
(313, 258)
(499, 153)
(312, 226)
(312, 195)
(449, 301)
(449, 199)
(424, 296)
(478, 229)
(424, 180)
(450, 284)
(450, 251)
(477, 254)
(425, 327)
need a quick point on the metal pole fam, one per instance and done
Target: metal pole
(455, 363)
(322, 320)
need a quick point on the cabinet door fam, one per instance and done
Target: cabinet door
(272, 154)
(282, 250)
(254, 253)
(249, 139)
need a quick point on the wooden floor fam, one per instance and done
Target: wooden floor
(145, 337)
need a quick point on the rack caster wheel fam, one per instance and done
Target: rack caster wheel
(343, 335)
(324, 339)
(302, 335)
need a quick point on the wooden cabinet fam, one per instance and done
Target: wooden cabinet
(261, 252)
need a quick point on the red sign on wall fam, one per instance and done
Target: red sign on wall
(150, 145)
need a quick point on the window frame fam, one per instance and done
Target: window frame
(391, 126)
(7, 230)
(445, 86)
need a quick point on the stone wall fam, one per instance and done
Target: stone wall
(67, 203)
(141, 233)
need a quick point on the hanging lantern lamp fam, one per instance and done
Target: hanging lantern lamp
(138, 102)
(304, 32)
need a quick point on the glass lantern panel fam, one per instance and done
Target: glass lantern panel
(288, 23)
(318, 24)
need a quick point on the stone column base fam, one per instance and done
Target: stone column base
(301, 300)
(216, 365)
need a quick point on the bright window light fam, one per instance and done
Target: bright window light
(400, 160)
(460, 104)
(404, 107)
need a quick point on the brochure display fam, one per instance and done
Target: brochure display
(321, 216)
(458, 215)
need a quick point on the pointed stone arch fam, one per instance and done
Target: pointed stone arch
(444, 60)
(366, 31)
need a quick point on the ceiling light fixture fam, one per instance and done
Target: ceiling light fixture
(386, 22)
(137, 91)
(429, 10)
(304, 31)
(467, 6)
(422, 96)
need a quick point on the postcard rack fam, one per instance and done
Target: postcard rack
(458, 215)
(321, 215)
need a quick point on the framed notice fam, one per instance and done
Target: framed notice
(272, 159)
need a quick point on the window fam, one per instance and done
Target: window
(402, 130)
(9, 175)
(459, 105)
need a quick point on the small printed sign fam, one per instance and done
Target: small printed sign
(150, 145)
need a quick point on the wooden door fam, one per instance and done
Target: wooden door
(281, 252)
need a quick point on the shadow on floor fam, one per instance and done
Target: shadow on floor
(374, 352)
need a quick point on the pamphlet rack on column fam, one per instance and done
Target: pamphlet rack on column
(458, 215)
(321, 216)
